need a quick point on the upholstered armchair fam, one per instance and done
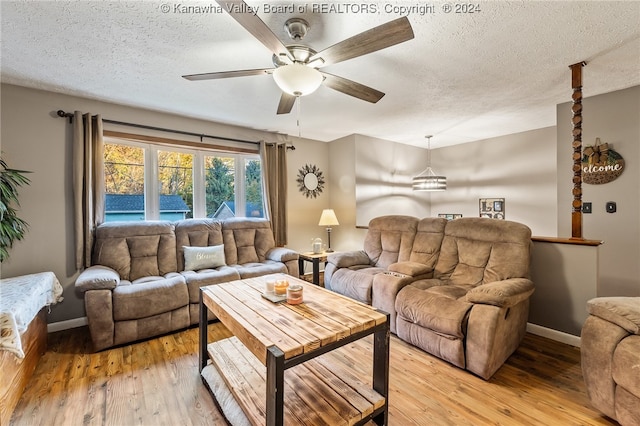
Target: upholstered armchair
(473, 311)
(389, 240)
(610, 357)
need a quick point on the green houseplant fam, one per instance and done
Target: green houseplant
(12, 228)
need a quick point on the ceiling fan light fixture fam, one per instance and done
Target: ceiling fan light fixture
(297, 79)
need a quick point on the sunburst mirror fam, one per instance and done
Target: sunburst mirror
(310, 180)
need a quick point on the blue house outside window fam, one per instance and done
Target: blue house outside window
(130, 207)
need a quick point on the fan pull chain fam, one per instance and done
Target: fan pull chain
(298, 107)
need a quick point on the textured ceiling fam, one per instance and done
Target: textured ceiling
(464, 77)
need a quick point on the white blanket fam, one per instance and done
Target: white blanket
(21, 298)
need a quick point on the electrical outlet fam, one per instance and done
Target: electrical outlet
(586, 207)
(611, 207)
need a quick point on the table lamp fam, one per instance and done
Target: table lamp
(328, 219)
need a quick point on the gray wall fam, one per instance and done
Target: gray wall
(520, 168)
(384, 171)
(615, 119)
(530, 170)
(34, 139)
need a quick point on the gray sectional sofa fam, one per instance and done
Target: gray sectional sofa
(145, 276)
(457, 289)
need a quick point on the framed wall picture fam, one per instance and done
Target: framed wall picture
(450, 216)
(492, 208)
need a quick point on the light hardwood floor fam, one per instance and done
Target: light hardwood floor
(156, 382)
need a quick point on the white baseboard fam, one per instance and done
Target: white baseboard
(66, 325)
(552, 334)
(538, 330)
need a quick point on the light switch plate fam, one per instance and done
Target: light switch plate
(586, 207)
(611, 207)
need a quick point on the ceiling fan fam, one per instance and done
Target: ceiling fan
(296, 65)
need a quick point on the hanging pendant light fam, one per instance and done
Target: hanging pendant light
(428, 180)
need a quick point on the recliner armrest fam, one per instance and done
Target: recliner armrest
(385, 289)
(621, 311)
(412, 269)
(504, 293)
(282, 254)
(349, 258)
(97, 277)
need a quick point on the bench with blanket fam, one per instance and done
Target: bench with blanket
(23, 332)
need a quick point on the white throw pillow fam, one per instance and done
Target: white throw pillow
(196, 258)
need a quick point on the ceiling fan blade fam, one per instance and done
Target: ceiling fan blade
(246, 16)
(380, 37)
(227, 74)
(352, 88)
(286, 103)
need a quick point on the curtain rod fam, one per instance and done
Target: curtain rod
(70, 116)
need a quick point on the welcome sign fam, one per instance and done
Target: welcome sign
(601, 164)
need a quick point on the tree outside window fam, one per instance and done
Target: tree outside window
(228, 182)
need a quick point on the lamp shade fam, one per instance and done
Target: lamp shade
(297, 79)
(328, 218)
(429, 182)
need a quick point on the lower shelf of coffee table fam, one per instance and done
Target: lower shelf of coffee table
(324, 390)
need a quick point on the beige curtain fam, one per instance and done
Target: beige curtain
(88, 183)
(273, 157)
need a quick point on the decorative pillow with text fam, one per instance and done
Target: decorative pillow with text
(196, 258)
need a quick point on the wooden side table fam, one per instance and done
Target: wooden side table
(315, 259)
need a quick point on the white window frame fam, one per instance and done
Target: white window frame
(151, 194)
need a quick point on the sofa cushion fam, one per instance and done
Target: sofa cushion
(136, 249)
(505, 293)
(196, 233)
(142, 328)
(151, 296)
(627, 404)
(249, 270)
(349, 258)
(97, 277)
(476, 251)
(625, 368)
(445, 347)
(282, 254)
(206, 277)
(196, 258)
(622, 311)
(438, 308)
(355, 283)
(426, 244)
(246, 240)
(390, 239)
(412, 269)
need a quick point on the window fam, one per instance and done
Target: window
(124, 182)
(147, 181)
(175, 185)
(219, 186)
(253, 188)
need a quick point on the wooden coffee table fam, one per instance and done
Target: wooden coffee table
(321, 387)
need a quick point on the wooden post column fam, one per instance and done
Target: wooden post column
(576, 213)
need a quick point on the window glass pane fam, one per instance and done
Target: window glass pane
(253, 188)
(175, 185)
(220, 187)
(124, 182)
